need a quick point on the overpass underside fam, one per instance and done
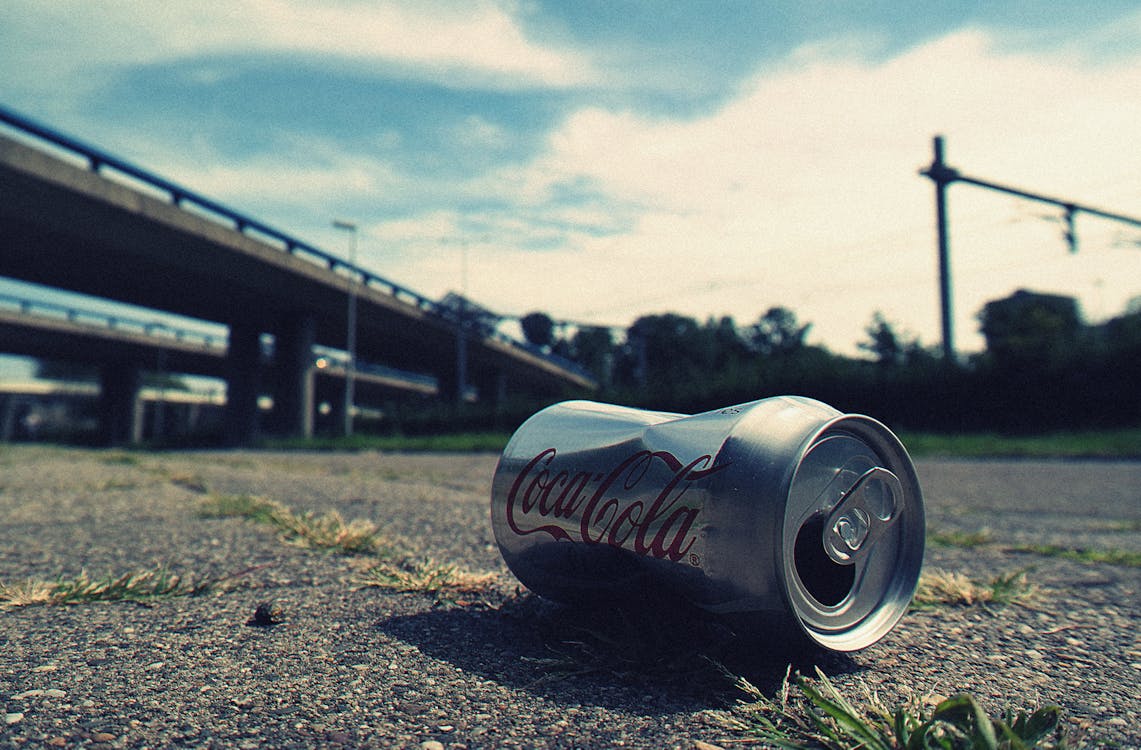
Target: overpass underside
(67, 226)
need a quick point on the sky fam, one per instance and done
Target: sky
(600, 161)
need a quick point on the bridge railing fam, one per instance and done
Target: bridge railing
(181, 196)
(162, 330)
(97, 319)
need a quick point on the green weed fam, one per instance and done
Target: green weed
(118, 458)
(1124, 443)
(819, 716)
(966, 539)
(464, 442)
(938, 587)
(141, 586)
(328, 531)
(447, 582)
(1122, 557)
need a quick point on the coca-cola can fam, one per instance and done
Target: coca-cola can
(778, 512)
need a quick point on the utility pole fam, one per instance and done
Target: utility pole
(351, 325)
(461, 332)
(943, 175)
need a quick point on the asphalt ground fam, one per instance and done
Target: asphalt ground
(352, 666)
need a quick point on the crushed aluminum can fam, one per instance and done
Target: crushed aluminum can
(779, 512)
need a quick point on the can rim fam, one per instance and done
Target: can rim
(881, 592)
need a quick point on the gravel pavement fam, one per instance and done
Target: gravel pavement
(369, 667)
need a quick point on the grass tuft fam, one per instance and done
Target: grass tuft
(820, 716)
(1118, 444)
(463, 442)
(965, 539)
(328, 531)
(447, 582)
(939, 587)
(1121, 557)
(146, 585)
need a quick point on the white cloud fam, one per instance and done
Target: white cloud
(804, 191)
(476, 40)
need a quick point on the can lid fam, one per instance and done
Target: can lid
(853, 534)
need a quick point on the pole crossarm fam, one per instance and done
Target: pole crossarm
(946, 175)
(943, 175)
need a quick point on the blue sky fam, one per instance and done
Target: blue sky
(603, 160)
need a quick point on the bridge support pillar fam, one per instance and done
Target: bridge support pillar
(293, 399)
(493, 389)
(120, 408)
(243, 382)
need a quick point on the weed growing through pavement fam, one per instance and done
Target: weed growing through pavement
(939, 587)
(447, 582)
(147, 585)
(386, 567)
(120, 459)
(966, 539)
(1110, 556)
(820, 716)
(1122, 557)
(328, 531)
(1127, 525)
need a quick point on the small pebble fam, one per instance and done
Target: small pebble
(431, 745)
(13, 718)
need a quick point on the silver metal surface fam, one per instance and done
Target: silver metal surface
(782, 507)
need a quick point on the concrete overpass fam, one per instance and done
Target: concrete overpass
(122, 347)
(86, 221)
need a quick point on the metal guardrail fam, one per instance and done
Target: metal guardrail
(160, 330)
(156, 329)
(98, 159)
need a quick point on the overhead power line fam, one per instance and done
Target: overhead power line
(943, 175)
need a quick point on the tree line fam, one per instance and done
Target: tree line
(1043, 367)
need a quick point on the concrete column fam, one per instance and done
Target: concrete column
(493, 388)
(447, 383)
(8, 405)
(119, 404)
(293, 364)
(243, 383)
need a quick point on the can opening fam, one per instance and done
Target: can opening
(826, 581)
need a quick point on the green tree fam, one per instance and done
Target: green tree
(778, 333)
(883, 343)
(1029, 329)
(593, 348)
(538, 328)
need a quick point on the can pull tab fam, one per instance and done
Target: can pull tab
(865, 512)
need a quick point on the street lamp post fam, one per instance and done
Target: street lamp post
(351, 315)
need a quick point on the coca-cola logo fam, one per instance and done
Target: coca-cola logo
(614, 507)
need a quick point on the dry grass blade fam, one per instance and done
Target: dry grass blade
(26, 593)
(139, 586)
(1122, 557)
(939, 587)
(965, 539)
(328, 531)
(820, 716)
(239, 506)
(425, 576)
